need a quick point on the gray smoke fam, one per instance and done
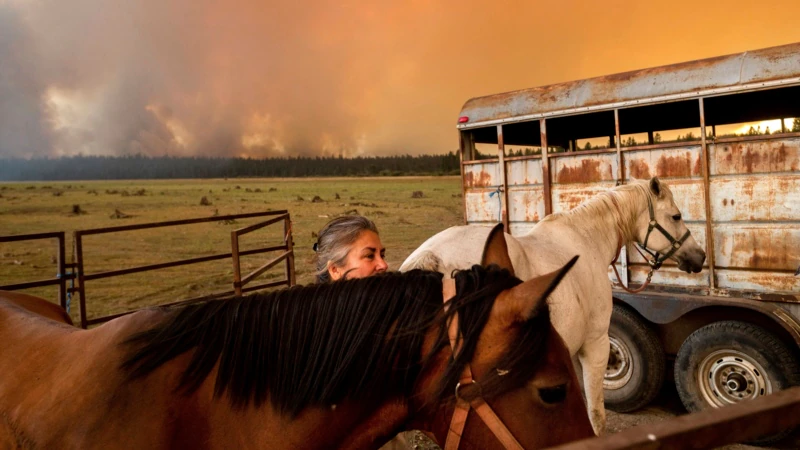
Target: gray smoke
(275, 77)
(25, 127)
(180, 77)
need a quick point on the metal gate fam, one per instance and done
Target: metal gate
(75, 273)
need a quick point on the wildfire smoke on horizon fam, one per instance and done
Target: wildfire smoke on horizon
(255, 78)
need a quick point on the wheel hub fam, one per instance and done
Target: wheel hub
(730, 376)
(620, 368)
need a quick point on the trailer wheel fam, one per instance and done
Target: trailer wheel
(636, 360)
(728, 362)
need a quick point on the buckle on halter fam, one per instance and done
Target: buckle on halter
(677, 245)
(656, 262)
(459, 385)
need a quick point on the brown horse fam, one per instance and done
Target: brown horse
(37, 305)
(342, 365)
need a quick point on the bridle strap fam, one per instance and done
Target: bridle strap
(462, 407)
(619, 278)
(675, 244)
(495, 425)
(658, 259)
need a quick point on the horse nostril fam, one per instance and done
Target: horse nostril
(553, 395)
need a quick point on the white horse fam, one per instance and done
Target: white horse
(642, 212)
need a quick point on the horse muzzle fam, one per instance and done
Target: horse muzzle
(692, 260)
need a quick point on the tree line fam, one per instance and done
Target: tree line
(161, 167)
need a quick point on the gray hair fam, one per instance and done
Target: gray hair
(334, 241)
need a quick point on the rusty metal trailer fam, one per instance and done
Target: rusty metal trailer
(734, 328)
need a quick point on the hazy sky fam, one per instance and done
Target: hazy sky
(266, 77)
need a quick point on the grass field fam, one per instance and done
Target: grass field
(404, 222)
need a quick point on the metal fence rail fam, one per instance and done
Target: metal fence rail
(61, 276)
(288, 255)
(711, 428)
(235, 254)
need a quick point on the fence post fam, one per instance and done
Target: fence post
(237, 272)
(287, 236)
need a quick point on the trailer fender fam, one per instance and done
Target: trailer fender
(661, 308)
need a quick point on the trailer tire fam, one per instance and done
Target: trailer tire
(635, 371)
(730, 361)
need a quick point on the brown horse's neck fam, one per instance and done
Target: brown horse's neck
(422, 415)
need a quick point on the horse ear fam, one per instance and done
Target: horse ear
(524, 301)
(495, 251)
(655, 186)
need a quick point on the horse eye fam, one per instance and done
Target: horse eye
(553, 395)
(676, 217)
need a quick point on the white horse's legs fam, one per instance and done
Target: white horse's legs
(594, 359)
(576, 364)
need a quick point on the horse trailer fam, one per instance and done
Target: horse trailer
(724, 133)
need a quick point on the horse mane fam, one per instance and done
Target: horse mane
(320, 344)
(620, 203)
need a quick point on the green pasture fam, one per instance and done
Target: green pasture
(404, 222)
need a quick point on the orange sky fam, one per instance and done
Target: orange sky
(260, 78)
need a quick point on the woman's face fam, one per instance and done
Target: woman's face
(364, 259)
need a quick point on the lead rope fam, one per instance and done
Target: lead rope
(619, 279)
(619, 249)
(499, 203)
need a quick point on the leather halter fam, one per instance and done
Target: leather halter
(658, 258)
(675, 244)
(462, 407)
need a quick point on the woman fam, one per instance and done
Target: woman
(349, 247)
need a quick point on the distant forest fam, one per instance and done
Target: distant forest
(146, 167)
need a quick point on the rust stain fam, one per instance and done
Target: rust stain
(571, 200)
(760, 157)
(769, 261)
(675, 166)
(639, 169)
(733, 202)
(698, 167)
(588, 171)
(625, 76)
(780, 155)
(724, 202)
(528, 206)
(753, 248)
(481, 180)
(747, 188)
(533, 218)
(750, 158)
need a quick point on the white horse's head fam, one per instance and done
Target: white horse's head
(661, 231)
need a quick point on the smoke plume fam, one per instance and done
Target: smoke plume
(268, 78)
